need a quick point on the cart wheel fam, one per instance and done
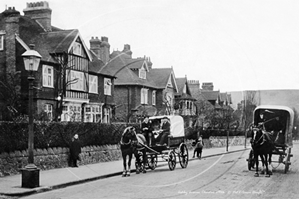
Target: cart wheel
(172, 160)
(152, 162)
(183, 155)
(251, 160)
(287, 161)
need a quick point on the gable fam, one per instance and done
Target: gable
(79, 48)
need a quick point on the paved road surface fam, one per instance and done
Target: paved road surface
(223, 176)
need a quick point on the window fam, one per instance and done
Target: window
(71, 113)
(77, 48)
(142, 73)
(93, 84)
(48, 110)
(48, 76)
(1, 41)
(107, 86)
(92, 113)
(144, 96)
(153, 97)
(106, 115)
(77, 80)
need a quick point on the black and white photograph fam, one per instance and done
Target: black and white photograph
(151, 99)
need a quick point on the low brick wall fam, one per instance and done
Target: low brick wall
(221, 141)
(51, 158)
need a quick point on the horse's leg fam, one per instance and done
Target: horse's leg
(144, 160)
(267, 166)
(263, 164)
(270, 163)
(138, 163)
(129, 164)
(124, 165)
(256, 164)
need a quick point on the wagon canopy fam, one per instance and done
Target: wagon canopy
(285, 114)
(177, 124)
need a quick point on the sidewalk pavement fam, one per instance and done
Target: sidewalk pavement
(63, 177)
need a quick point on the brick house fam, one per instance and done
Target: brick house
(183, 98)
(140, 89)
(67, 80)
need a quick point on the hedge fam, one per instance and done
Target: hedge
(14, 136)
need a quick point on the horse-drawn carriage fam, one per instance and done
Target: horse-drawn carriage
(271, 135)
(174, 147)
(148, 153)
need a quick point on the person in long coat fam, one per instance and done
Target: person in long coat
(147, 130)
(75, 150)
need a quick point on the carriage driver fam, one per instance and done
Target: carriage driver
(272, 127)
(146, 129)
(261, 124)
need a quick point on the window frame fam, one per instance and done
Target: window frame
(142, 73)
(107, 86)
(48, 111)
(93, 84)
(144, 96)
(80, 84)
(47, 75)
(77, 48)
(153, 97)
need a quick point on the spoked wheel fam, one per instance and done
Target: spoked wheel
(251, 160)
(152, 161)
(287, 161)
(183, 155)
(172, 160)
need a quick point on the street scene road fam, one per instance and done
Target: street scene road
(224, 176)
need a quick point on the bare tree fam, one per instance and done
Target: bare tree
(62, 82)
(249, 104)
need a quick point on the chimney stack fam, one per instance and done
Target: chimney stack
(127, 50)
(101, 48)
(40, 12)
(208, 86)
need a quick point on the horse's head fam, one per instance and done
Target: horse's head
(129, 135)
(256, 135)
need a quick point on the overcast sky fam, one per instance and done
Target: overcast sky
(236, 44)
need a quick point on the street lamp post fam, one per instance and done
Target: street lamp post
(30, 174)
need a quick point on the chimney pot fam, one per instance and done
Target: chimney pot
(31, 46)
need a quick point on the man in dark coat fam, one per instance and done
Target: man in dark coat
(146, 130)
(75, 150)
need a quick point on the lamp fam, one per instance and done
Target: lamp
(30, 174)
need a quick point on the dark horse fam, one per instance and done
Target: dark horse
(261, 147)
(130, 144)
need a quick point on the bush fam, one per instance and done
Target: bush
(14, 136)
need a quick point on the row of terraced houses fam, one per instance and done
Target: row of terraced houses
(77, 83)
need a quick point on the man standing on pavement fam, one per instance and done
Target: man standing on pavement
(75, 150)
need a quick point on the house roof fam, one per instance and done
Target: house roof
(160, 77)
(223, 97)
(181, 82)
(122, 66)
(210, 95)
(97, 66)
